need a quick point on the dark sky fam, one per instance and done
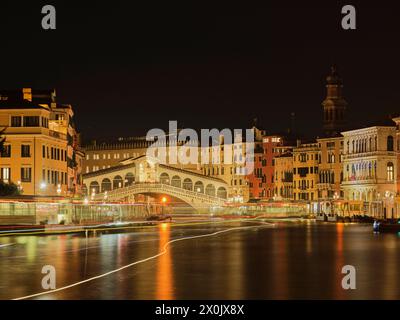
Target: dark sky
(129, 66)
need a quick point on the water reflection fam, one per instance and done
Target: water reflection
(164, 277)
(299, 260)
(338, 276)
(281, 264)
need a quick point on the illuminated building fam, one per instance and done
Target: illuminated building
(330, 168)
(41, 152)
(284, 176)
(269, 145)
(233, 172)
(397, 199)
(104, 155)
(330, 165)
(99, 156)
(370, 168)
(305, 173)
(257, 179)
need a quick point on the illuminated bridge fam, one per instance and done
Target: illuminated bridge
(146, 176)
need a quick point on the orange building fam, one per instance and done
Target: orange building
(262, 180)
(41, 150)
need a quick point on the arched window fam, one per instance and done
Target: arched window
(210, 190)
(106, 185)
(222, 193)
(390, 145)
(94, 187)
(164, 178)
(199, 187)
(129, 179)
(369, 169)
(176, 181)
(188, 184)
(118, 182)
(390, 171)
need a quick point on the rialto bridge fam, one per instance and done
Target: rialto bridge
(146, 176)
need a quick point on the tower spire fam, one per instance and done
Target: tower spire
(334, 104)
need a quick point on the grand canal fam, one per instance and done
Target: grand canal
(274, 259)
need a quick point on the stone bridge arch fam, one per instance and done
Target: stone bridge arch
(143, 175)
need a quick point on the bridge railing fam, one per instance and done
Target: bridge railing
(145, 187)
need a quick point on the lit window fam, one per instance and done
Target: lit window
(5, 174)
(390, 171)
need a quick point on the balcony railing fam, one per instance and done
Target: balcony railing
(350, 156)
(359, 181)
(57, 135)
(328, 186)
(146, 187)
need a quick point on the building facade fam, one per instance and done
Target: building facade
(284, 177)
(370, 169)
(330, 168)
(305, 172)
(41, 151)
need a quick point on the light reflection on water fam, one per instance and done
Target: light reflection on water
(291, 261)
(165, 277)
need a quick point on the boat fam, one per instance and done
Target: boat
(321, 216)
(386, 227)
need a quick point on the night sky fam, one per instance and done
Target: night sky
(129, 66)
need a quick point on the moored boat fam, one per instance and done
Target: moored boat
(386, 226)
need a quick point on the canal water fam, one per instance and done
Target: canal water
(292, 259)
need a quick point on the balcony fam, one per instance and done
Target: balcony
(350, 156)
(325, 186)
(355, 181)
(57, 135)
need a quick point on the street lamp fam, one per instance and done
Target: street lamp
(163, 201)
(335, 197)
(19, 186)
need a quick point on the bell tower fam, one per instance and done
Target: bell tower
(334, 104)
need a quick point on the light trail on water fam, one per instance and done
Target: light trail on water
(163, 252)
